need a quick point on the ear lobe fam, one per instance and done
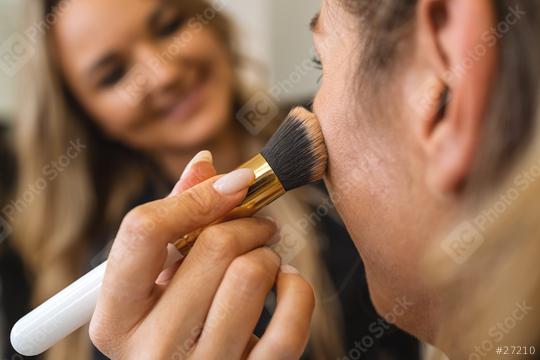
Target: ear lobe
(449, 32)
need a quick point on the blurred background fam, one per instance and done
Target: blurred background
(273, 34)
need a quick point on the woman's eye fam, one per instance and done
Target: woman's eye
(318, 66)
(112, 77)
(317, 63)
(170, 27)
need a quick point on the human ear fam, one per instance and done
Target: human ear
(459, 60)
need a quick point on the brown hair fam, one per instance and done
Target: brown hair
(85, 200)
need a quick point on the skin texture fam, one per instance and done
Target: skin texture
(228, 269)
(396, 174)
(168, 84)
(207, 306)
(397, 165)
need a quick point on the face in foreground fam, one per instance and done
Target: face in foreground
(150, 75)
(396, 168)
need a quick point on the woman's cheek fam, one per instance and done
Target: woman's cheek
(116, 117)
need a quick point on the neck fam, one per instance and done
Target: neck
(227, 155)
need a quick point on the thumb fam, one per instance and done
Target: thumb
(140, 248)
(199, 169)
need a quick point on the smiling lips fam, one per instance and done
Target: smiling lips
(190, 100)
(188, 104)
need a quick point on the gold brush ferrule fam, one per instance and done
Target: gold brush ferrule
(265, 188)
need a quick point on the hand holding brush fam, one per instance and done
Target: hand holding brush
(213, 301)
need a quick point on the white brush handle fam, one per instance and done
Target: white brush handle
(65, 312)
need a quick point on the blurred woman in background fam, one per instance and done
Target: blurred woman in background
(120, 96)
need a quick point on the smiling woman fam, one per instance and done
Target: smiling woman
(143, 86)
(165, 66)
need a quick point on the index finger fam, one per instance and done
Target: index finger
(140, 248)
(195, 173)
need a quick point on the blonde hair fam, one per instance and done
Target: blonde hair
(84, 199)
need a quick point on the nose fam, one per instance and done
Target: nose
(164, 73)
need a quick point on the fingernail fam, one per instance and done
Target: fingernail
(204, 155)
(288, 269)
(234, 181)
(277, 235)
(271, 219)
(275, 238)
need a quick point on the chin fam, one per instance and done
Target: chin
(198, 134)
(414, 313)
(397, 293)
(392, 309)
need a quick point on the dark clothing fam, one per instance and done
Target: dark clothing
(345, 268)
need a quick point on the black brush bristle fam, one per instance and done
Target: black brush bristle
(297, 152)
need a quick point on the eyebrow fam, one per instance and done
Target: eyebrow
(314, 23)
(112, 58)
(153, 19)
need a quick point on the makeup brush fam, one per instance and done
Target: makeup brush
(295, 156)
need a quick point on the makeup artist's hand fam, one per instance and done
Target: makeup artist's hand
(209, 306)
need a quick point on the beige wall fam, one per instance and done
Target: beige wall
(9, 11)
(274, 32)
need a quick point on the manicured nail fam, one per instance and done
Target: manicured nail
(288, 269)
(204, 155)
(234, 181)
